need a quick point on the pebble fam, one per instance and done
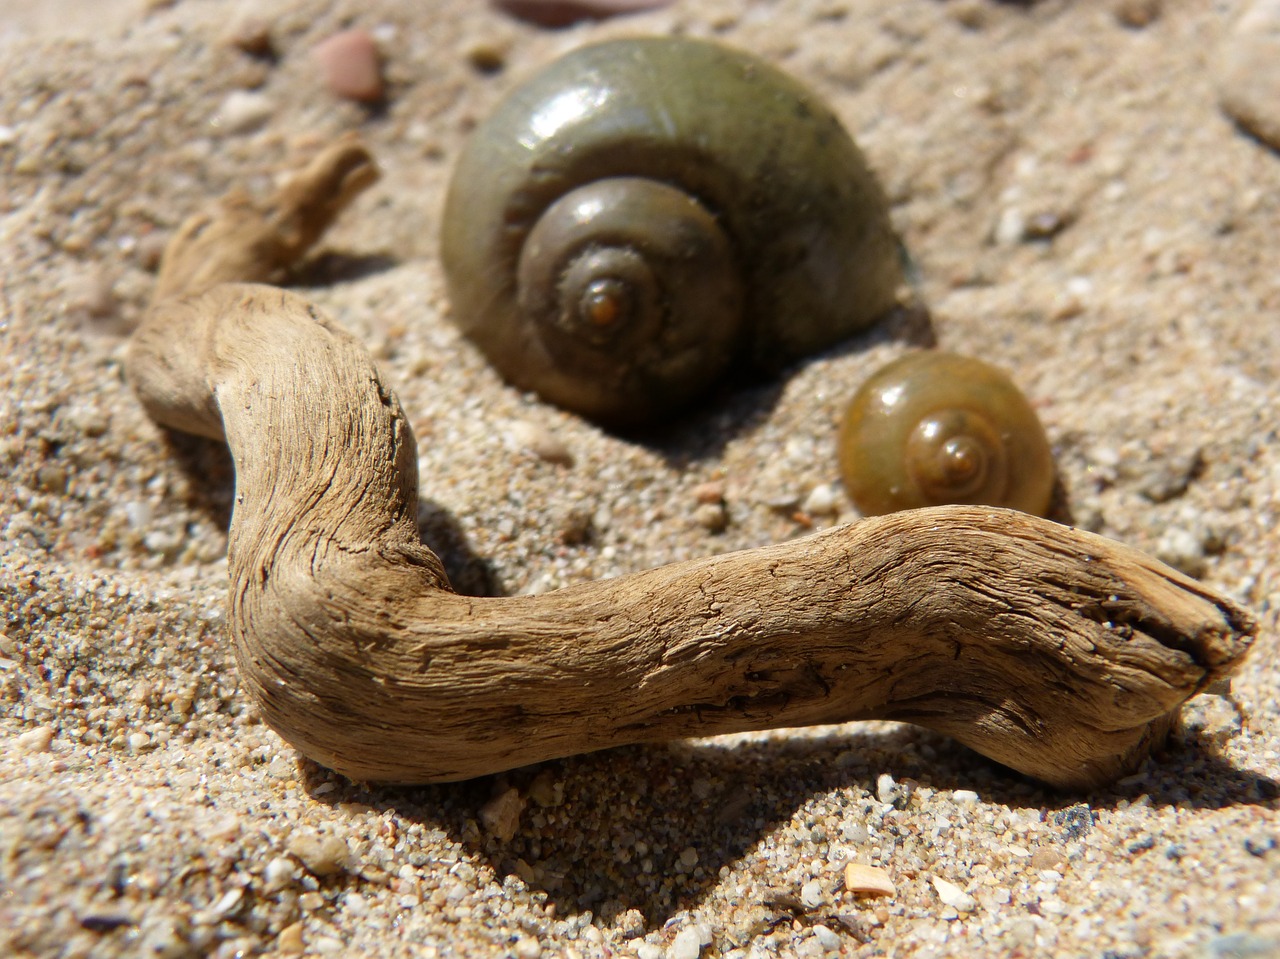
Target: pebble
(487, 56)
(540, 441)
(252, 35)
(1248, 71)
(1213, 720)
(953, 896)
(828, 938)
(1260, 845)
(811, 894)
(1142, 844)
(562, 13)
(712, 492)
(889, 790)
(279, 873)
(500, 816)
(1076, 821)
(290, 940)
(1138, 13)
(38, 740)
(322, 855)
(527, 948)
(863, 880)
(91, 295)
(546, 790)
(1167, 477)
(1239, 945)
(686, 945)
(1047, 858)
(243, 111)
(712, 517)
(823, 500)
(228, 904)
(1182, 549)
(351, 66)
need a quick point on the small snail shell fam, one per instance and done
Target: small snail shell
(645, 214)
(933, 428)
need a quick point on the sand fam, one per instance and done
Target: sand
(1078, 210)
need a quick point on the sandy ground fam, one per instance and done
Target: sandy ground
(146, 810)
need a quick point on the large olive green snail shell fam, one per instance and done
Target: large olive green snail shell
(645, 213)
(933, 428)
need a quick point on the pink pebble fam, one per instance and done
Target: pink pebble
(561, 13)
(350, 65)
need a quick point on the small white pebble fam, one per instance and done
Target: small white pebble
(36, 740)
(1079, 286)
(243, 110)
(855, 832)
(821, 501)
(139, 741)
(228, 904)
(886, 788)
(686, 945)
(953, 896)
(539, 441)
(278, 874)
(527, 948)
(811, 894)
(964, 796)
(1010, 226)
(828, 938)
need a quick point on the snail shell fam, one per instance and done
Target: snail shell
(644, 214)
(933, 428)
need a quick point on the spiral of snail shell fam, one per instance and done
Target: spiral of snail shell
(933, 428)
(645, 216)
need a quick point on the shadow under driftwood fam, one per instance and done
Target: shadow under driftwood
(648, 828)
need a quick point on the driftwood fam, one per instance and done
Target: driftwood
(1056, 652)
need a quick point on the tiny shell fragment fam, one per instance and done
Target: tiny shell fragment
(863, 880)
(953, 896)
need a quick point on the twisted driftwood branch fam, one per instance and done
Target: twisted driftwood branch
(1056, 652)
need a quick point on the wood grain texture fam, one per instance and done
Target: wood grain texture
(1056, 652)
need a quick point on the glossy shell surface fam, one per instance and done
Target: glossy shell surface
(805, 223)
(933, 428)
